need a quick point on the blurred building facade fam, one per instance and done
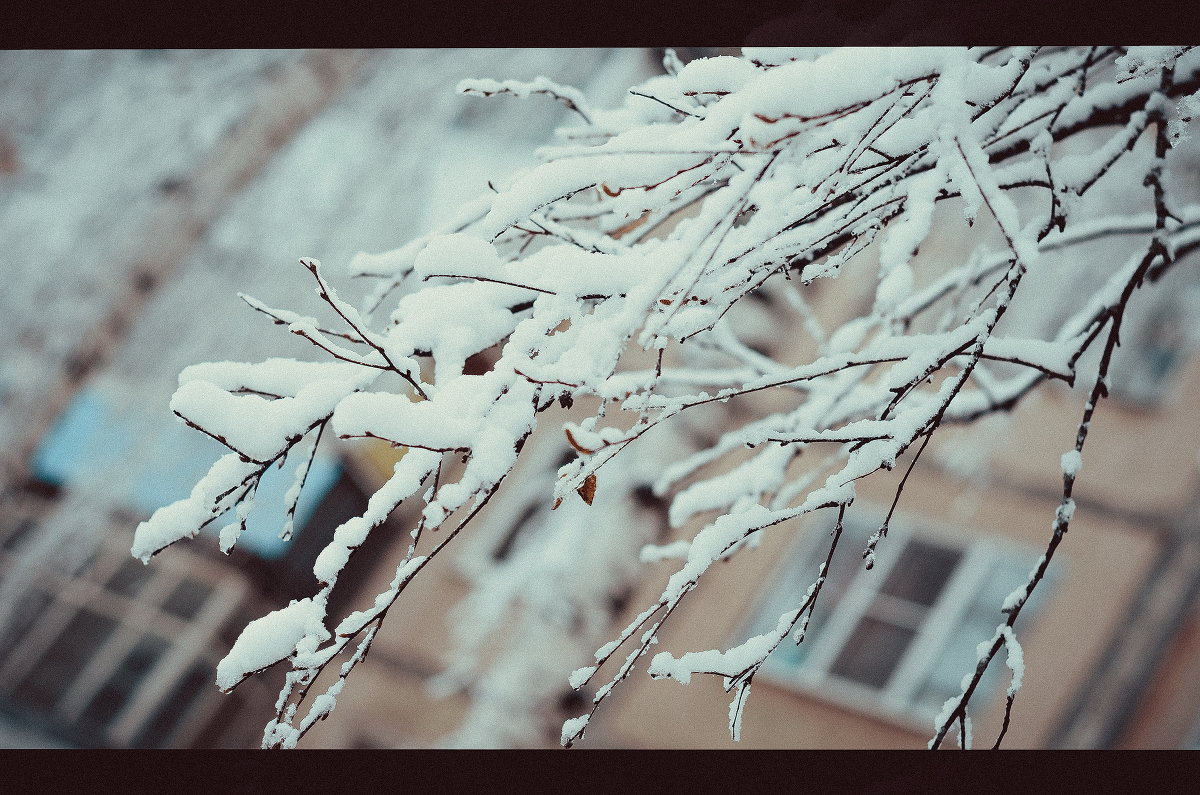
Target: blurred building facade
(102, 651)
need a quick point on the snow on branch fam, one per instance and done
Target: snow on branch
(572, 98)
(746, 181)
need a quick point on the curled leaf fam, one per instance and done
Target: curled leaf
(588, 490)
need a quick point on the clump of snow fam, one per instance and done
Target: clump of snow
(652, 553)
(943, 714)
(522, 89)
(184, 518)
(1015, 598)
(727, 663)
(737, 709)
(261, 427)
(322, 705)
(774, 56)
(406, 478)
(573, 727)
(267, 640)
(1015, 659)
(1065, 511)
(719, 75)
(1072, 462)
(965, 739)
(580, 676)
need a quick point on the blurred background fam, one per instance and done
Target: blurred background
(141, 191)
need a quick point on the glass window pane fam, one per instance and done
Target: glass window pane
(64, 659)
(231, 726)
(109, 700)
(86, 562)
(872, 652)
(129, 578)
(957, 659)
(17, 532)
(977, 624)
(921, 572)
(157, 733)
(1005, 574)
(29, 609)
(790, 591)
(187, 599)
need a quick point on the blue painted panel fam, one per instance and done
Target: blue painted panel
(95, 439)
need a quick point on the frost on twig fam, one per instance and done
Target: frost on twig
(618, 274)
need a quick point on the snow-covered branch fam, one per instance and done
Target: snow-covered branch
(745, 178)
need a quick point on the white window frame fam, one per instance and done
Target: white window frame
(189, 641)
(896, 700)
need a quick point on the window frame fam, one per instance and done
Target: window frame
(896, 701)
(189, 642)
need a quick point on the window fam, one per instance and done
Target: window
(118, 653)
(896, 639)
